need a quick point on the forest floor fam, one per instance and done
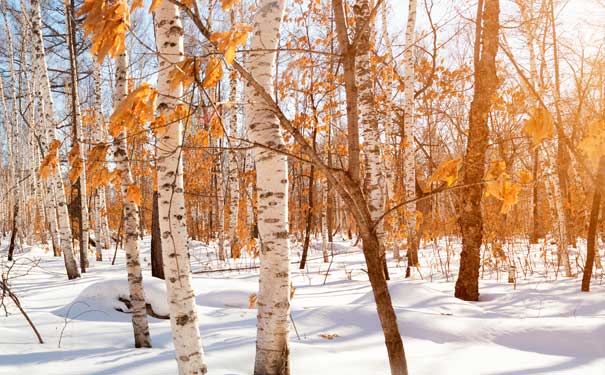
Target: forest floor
(541, 325)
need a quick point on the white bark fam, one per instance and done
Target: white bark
(173, 227)
(374, 176)
(273, 301)
(131, 219)
(46, 116)
(409, 125)
(99, 136)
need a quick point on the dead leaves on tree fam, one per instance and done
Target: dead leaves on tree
(107, 22)
(51, 160)
(540, 126)
(137, 108)
(447, 172)
(500, 186)
(593, 144)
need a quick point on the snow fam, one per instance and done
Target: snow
(541, 325)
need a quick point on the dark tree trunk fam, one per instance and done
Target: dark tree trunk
(592, 227)
(535, 232)
(309, 223)
(157, 265)
(11, 247)
(486, 82)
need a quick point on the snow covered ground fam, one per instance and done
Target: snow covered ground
(543, 326)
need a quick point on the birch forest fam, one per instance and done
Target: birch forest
(277, 187)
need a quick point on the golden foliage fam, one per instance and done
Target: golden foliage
(540, 126)
(73, 157)
(133, 194)
(137, 108)
(226, 42)
(184, 73)
(216, 127)
(525, 177)
(593, 144)
(98, 175)
(213, 73)
(108, 22)
(51, 160)
(504, 190)
(496, 168)
(228, 4)
(156, 3)
(252, 300)
(447, 171)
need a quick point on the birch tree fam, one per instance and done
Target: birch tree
(54, 182)
(130, 216)
(173, 227)
(273, 301)
(409, 156)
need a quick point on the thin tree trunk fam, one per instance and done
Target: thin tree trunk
(157, 265)
(78, 136)
(409, 156)
(131, 218)
(592, 227)
(46, 114)
(11, 246)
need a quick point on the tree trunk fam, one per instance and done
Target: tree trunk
(78, 135)
(409, 156)
(173, 226)
(592, 227)
(374, 176)
(273, 301)
(131, 218)
(157, 265)
(54, 184)
(486, 83)
(11, 246)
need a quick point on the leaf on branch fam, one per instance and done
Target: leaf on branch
(214, 72)
(216, 127)
(525, 177)
(447, 171)
(51, 160)
(593, 144)
(135, 109)
(504, 190)
(540, 126)
(73, 157)
(496, 168)
(184, 72)
(133, 194)
(226, 42)
(228, 4)
(107, 22)
(156, 3)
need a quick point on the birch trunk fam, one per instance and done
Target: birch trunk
(409, 129)
(177, 270)
(46, 115)
(130, 219)
(78, 137)
(374, 177)
(273, 301)
(102, 225)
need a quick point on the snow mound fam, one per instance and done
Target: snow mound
(226, 293)
(417, 296)
(100, 301)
